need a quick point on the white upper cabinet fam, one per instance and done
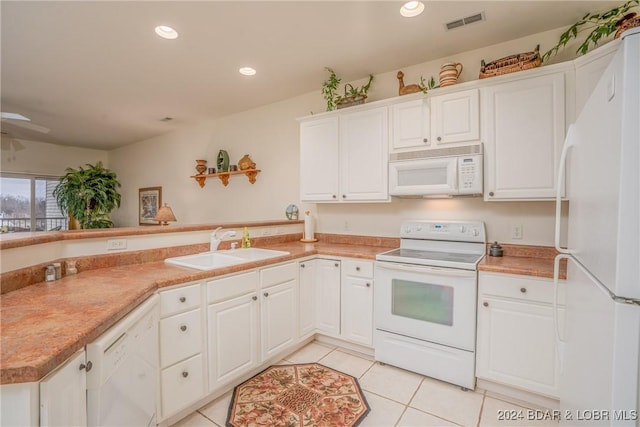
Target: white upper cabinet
(410, 125)
(343, 158)
(455, 118)
(319, 158)
(524, 128)
(436, 121)
(364, 155)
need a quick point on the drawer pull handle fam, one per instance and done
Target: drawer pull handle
(255, 298)
(183, 299)
(523, 290)
(486, 304)
(183, 328)
(439, 138)
(334, 196)
(425, 140)
(357, 268)
(266, 294)
(185, 374)
(491, 193)
(86, 366)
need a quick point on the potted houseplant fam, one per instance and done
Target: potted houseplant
(88, 195)
(601, 25)
(352, 95)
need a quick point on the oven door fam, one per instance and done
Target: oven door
(424, 177)
(428, 303)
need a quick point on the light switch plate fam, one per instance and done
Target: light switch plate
(516, 231)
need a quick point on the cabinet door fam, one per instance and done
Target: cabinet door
(307, 298)
(328, 297)
(357, 309)
(233, 338)
(516, 345)
(410, 125)
(278, 317)
(63, 394)
(455, 118)
(364, 155)
(319, 160)
(182, 385)
(524, 124)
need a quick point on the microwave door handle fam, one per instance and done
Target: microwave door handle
(569, 142)
(425, 269)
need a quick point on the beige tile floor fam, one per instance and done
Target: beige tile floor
(396, 397)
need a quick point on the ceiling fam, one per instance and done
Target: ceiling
(97, 75)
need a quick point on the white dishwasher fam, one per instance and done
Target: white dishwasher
(122, 384)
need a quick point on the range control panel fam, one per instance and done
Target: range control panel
(456, 231)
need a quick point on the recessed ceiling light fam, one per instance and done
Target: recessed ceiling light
(166, 32)
(247, 71)
(411, 9)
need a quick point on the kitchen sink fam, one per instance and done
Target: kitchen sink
(218, 259)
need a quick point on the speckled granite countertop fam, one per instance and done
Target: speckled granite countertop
(534, 261)
(45, 323)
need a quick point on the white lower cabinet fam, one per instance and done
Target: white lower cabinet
(307, 298)
(182, 367)
(63, 394)
(516, 338)
(328, 297)
(278, 308)
(357, 302)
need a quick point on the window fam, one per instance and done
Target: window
(27, 204)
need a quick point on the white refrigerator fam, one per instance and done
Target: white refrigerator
(599, 340)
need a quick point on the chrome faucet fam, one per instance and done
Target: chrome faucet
(215, 241)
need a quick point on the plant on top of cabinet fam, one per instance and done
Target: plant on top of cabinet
(88, 195)
(601, 25)
(352, 95)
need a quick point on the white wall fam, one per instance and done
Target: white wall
(40, 158)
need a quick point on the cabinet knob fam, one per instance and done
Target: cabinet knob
(334, 196)
(86, 366)
(368, 285)
(425, 140)
(357, 268)
(336, 265)
(302, 265)
(183, 299)
(486, 304)
(344, 196)
(491, 193)
(439, 139)
(183, 328)
(266, 294)
(185, 374)
(255, 298)
(523, 290)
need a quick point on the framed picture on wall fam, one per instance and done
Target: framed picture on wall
(150, 199)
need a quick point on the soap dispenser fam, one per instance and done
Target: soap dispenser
(246, 242)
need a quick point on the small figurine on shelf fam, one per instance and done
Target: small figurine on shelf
(246, 242)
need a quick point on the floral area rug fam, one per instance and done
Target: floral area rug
(298, 396)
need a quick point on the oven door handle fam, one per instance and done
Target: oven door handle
(425, 269)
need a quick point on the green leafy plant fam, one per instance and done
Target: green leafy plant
(330, 86)
(426, 86)
(89, 195)
(601, 25)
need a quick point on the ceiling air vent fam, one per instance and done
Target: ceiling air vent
(465, 21)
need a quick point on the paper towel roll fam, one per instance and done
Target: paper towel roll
(308, 226)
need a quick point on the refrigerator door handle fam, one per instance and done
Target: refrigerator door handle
(556, 285)
(562, 169)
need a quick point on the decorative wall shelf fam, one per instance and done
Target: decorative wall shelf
(224, 176)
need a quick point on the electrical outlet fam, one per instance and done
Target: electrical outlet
(516, 231)
(116, 244)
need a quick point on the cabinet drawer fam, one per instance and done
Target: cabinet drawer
(179, 299)
(182, 385)
(358, 268)
(280, 274)
(519, 287)
(232, 286)
(180, 337)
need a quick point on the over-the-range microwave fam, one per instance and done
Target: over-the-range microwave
(455, 171)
